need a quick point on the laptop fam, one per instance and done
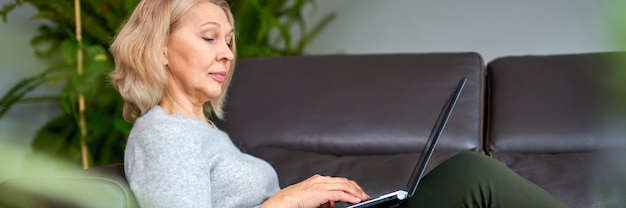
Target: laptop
(396, 198)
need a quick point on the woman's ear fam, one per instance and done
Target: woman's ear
(164, 56)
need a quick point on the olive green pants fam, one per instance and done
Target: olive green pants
(474, 180)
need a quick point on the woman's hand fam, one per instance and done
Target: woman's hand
(318, 191)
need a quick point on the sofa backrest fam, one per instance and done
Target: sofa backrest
(354, 104)
(554, 103)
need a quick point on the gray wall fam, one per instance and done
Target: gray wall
(17, 60)
(492, 28)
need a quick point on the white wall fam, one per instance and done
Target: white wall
(492, 28)
(17, 60)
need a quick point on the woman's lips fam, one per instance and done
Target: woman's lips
(218, 76)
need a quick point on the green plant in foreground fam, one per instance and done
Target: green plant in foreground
(617, 77)
(264, 28)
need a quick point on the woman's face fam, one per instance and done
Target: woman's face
(198, 54)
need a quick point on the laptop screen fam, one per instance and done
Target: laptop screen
(435, 133)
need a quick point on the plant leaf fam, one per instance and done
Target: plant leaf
(8, 8)
(69, 49)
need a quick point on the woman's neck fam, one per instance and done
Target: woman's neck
(172, 104)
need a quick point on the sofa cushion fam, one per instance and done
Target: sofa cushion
(554, 103)
(353, 104)
(377, 174)
(579, 179)
(558, 121)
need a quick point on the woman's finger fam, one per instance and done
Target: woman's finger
(341, 184)
(353, 188)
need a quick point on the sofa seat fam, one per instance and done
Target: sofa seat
(581, 179)
(377, 174)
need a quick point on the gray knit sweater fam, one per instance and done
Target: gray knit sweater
(179, 161)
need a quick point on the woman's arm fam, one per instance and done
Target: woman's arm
(317, 191)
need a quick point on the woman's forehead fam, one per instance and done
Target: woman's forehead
(208, 14)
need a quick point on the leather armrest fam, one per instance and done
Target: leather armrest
(103, 186)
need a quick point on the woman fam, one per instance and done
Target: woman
(174, 60)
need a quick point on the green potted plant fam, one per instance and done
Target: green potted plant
(264, 28)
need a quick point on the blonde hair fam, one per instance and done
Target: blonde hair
(139, 75)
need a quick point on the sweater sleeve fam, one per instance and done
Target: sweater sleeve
(166, 167)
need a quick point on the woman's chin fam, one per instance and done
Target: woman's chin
(213, 93)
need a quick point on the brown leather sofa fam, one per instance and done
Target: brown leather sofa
(552, 118)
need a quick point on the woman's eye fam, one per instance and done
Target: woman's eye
(208, 39)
